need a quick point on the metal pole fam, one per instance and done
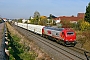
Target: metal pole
(86, 55)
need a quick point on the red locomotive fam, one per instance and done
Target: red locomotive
(65, 36)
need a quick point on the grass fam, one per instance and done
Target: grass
(84, 39)
(19, 51)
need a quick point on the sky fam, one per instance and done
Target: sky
(26, 8)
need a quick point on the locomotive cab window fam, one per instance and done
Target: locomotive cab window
(70, 33)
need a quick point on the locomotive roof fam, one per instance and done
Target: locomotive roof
(53, 28)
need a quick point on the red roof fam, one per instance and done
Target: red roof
(71, 18)
(81, 15)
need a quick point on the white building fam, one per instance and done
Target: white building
(25, 20)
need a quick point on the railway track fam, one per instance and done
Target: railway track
(56, 51)
(77, 49)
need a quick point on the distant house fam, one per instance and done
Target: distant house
(58, 20)
(31, 17)
(5, 19)
(25, 20)
(81, 15)
(72, 19)
(9, 20)
(43, 17)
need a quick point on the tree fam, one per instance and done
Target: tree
(1, 20)
(36, 14)
(30, 18)
(51, 16)
(85, 26)
(36, 17)
(32, 21)
(65, 23)
(43, 22)
(51, 21)
(87, 14)
(79, 24)
(20, 20)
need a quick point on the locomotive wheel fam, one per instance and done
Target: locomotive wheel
(65, 44)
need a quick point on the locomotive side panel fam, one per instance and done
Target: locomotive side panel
(52, 32)
(47, 32)
(56, 34)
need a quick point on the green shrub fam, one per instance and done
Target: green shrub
(84, 26)
(19, 51)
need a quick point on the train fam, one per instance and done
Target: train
(64, 36)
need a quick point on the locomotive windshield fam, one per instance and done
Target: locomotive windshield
(70, 33)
